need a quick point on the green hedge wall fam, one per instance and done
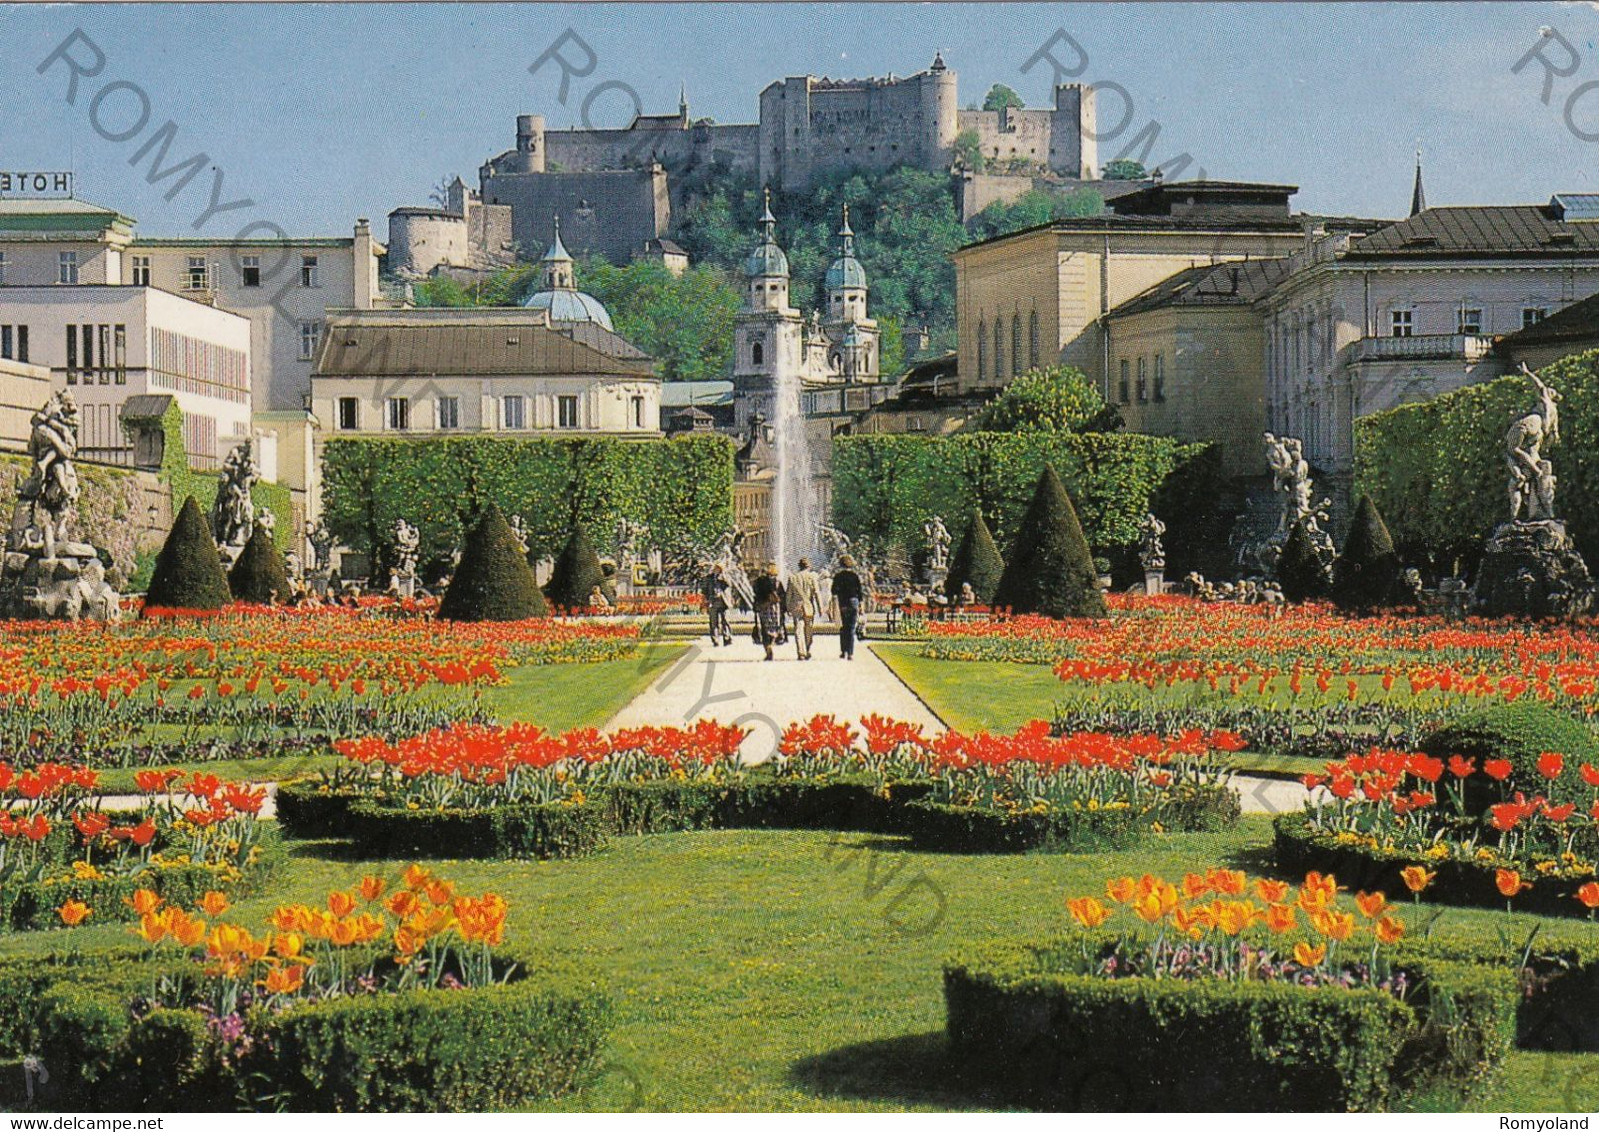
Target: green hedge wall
(1436, 469)
(682, 488)
(886, 487)
(1021, 1024)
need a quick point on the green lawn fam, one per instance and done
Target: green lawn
(778, 971)
(557, 697)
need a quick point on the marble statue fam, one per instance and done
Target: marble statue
(938, 542)
(45, 575)
(407, 546)
(519, 532)
(1290, 471)
(1532, 478)
(233, 516)
(321, 540)
(1151, 554)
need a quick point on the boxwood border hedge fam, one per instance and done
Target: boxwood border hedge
(1030, 1032)
(1297, 849)
(416, 1051)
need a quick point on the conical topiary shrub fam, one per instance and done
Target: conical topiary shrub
(188, 571)
(1366, 575)
(977, 560)
(493, 581)
(1300, 570)
(258, 574)
(1051, 570)
(577, 571)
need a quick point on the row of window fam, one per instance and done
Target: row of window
(1468, 320)
(1125, 390)
(447, 412)
(198, 275)
(97, 351)
(1016, 366)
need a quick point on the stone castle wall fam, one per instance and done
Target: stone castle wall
(610, 214)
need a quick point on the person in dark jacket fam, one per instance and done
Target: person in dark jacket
(714, 589)
(847, 599)
(769, 607)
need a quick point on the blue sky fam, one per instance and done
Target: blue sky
(321, 113)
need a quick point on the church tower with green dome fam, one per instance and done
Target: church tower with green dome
(768, 334)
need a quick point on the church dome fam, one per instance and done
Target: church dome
(767, 259)
(846, 271)
(570, 306)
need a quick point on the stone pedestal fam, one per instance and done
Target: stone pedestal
(1154, 581)
(1532, 569)
(69, 585)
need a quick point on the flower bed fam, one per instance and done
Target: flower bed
(455, 789)
(1223, 999)
(318, 1011)
(65, 860)
(1466, 829)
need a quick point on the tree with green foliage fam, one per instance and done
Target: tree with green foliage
(577, 573)
(684, 322)
(977, 561)
(188, 572)
(1001, 97)
(493, 581)
(258, 575)
(1366, 574)
(1033, 208)
(502, 288)
(1052, 399)
(1123, 169)
(968, 149)
(1050, 569)
(1301, 570)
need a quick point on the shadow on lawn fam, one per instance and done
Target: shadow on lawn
(912, 1070)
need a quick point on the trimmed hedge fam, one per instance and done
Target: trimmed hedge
(1366, 574)
(977, 560)
(493, 581)
(942, 828)
(1519, 733)
(259, 576)
(311, 809)
(495, 1047)
(1022, 1024)
(1050, 569)
(1298, 849)
(577, 573)
(188, 572)
(682, 488)
(518, 829)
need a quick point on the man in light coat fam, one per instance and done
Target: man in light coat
(804, 603)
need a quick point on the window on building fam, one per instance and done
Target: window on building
(2, 267)
(982, 349)
(141, 271)
(22, 343)
(566, 411)
(349, 413)
(1532, 316)
(757, 354)
(1124, 392)
(513, 411)
(67, 268)
(104, 354)
(250, 271)
(1032, 340)
(8, 344)
(449, 412)
(1471, 320)
(1401, 323)
(637, 405)
(999, 347)
(399, 413)
(120, 346)
(1160, 377)
(310, 339)
(310, 274)
(197, 277)
(87, 331)
(1015, 344)
(1143, 380)
(72, 355)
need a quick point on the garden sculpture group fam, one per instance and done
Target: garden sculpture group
(45, 575)
(233, 515)
(1152, 553)
(407, 547)
(1530, 566)
(1291, 480)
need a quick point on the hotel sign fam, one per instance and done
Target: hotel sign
(26, 183)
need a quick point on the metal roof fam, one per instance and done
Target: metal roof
(1576, 206)
(1236, 283)
(1479, 230)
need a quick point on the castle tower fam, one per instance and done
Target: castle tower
(1073, 145)
(529, 143)
(940, 109)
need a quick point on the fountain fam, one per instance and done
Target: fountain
(796, 514)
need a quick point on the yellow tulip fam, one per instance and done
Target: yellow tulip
(1390, 930)
(1088, 911)
(1307, 955)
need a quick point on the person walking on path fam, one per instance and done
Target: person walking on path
(769, 607)
(804, 602)
(713, 588)
(847, 600)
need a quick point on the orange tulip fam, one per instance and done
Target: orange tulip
(1509, 883)
(1149, 908)
(143, 901)
(152, 927)
(1307, 955)
(1416, 877)
(402, 904)
(1228, 882)
(1588, 895)
(288, 945)
(1371, 904)
(416, 877)
(371, 888)
(73, 913)
(1088, 911)
(1195, 885)
(1280, 917)
(345, 933)
(341, 903)
(213, 903)
(1389, 930)
(187, 930)
(1333, 925)
(1122, 889)
(1273, 891)
(285, 980)
(1235, 916)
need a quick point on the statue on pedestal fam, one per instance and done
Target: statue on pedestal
(938, 541)
(1530, 566)
(1151, 554)
(45, 575)
(407, 548)
(1285, 456)
(233, 516)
